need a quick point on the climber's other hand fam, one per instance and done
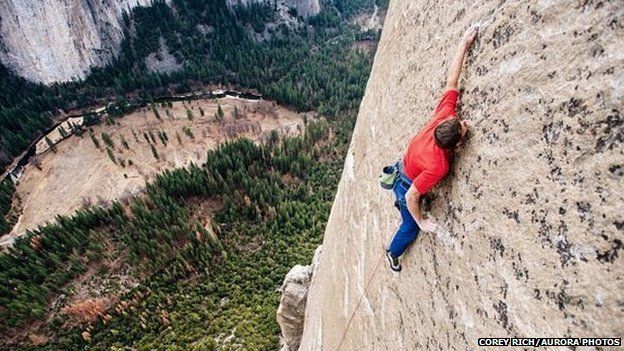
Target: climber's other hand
(428, 225)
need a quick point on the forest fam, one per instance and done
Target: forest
(210, 244)
(280, 67)
(7, 189)
(161, 234)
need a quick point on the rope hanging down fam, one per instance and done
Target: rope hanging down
(344, 334)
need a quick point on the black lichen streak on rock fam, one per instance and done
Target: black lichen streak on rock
(501, 308)
(611, 132)
(563, 246)
(512, 214)
(504, 289)
(611, 254)
(583, 208)
(497, 246)
(520, 272)
(617, 170)
(551, 131)
(537, 294)
(560, 298)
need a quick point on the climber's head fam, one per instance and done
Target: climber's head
(450, 133)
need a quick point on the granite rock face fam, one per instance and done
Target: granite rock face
(305, 8)
(533, 206)
(58, 40)
(290, 313)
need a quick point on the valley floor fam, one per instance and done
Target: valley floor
(79, 173)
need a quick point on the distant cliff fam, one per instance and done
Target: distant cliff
(533, 205)
(58, 40)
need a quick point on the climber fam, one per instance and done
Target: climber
(426, 160)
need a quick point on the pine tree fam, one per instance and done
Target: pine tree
(220, 113)
(154, 152)
(155, 111)
(94, 139)
(108, 140)
(124, 142)
(111, 156)
(51, 145)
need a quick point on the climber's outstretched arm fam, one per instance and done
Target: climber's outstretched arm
(458, 60)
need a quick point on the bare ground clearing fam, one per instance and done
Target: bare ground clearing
(79, 174)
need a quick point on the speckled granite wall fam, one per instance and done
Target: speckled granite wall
(533, 205)
(58, 40)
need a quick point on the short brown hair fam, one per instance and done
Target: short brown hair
(448, 133)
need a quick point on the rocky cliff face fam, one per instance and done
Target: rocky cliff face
(533, 206)
(305, 8)
(58, 40)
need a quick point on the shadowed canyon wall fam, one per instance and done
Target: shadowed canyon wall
(61, 40)
(532, 208)
(58, 40)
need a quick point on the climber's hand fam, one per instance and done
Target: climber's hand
(469, 36)
(428, 225)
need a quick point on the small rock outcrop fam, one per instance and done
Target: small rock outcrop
(291, 311)
(59, 40)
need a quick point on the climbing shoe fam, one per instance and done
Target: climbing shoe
(394, 262)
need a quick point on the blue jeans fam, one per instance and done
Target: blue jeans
(408, 230)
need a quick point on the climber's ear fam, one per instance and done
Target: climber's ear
(464, 133)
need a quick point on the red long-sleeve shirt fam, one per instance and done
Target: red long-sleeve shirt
(424, 161)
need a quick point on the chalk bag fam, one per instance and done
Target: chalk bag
(388, 177)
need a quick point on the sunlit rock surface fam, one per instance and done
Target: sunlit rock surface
(533, 206)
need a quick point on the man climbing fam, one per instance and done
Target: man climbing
(426, 160)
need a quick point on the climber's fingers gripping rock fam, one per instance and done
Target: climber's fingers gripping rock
(428, 225)
(470, 35)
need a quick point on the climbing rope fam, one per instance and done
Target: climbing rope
(344, 334)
